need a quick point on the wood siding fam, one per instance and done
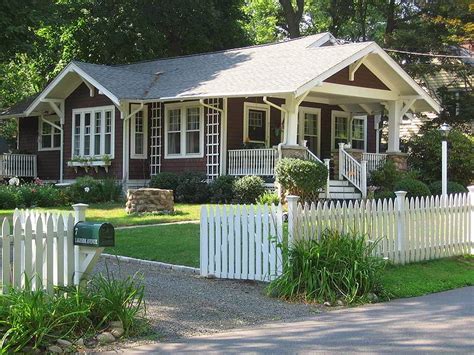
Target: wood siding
(48, 160)
(363, 77)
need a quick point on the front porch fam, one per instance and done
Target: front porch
(18, 165)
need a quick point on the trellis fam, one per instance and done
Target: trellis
(155, 139)
(212, 140)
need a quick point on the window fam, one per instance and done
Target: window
(358, 133)
(184, 130)
(256, 123)
(309, 126)
(92, 131)
(139, 134)
(340, 128)
(50, 136)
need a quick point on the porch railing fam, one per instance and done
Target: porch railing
(374, 160)
(352, 170)
(252, 162)
(20, 165)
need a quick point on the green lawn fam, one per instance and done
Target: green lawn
(427, 277)
(115, 214)
(175, 244)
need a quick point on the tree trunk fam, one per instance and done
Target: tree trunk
(293, 16)
(390, 27)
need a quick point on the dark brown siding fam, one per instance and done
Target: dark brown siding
(80, 98)
(363, 77)
(371, 137)
(47, 161)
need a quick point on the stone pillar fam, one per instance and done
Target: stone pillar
(400, 159)
(293, 151)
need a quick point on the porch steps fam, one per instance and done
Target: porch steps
(342, 190)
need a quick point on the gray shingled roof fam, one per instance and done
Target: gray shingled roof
(266, 69)
(20, 107)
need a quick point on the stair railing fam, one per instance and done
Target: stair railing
(311, 156)
(352, 170)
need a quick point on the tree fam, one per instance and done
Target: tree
(293, 16)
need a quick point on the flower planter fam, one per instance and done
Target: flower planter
(86, 165)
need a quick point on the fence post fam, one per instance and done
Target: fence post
(400, 216)
(341, 160)
(471, 217)
(363, 178)
(79, 216)
(327, 162)
(292, 211)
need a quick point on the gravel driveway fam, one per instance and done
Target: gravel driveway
(182, 305)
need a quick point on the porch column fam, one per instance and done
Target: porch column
(291, 121)
(394, 117)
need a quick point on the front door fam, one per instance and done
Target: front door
(309, 128)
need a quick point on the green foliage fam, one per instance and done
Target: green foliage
(386, 176)
(31, 195)
(301, 177)
(414, 188)
(384, 194)
(268, 198)
(192, 188)
(165, 180)
(8, 197)
(37, 319)
(248, 188)
(336, 267)
(453, 188)
(425, 156)
(89, 190)
(222, 189)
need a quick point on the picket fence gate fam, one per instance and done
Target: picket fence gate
(39, 252)
(244, 241)
(241, 241)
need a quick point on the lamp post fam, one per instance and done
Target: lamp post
(444, 130)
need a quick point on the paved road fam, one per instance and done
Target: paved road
(442, 322)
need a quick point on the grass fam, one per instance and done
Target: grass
(175, 244)
(428, 277)
(115, 213)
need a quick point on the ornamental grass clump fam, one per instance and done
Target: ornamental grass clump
(338, 266)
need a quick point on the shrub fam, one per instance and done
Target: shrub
(222, 189)
(31, 195)
(414, 188)
(8, 197)
(301, 177)
(381, 194)
(268, 198)
(453, 188)
(386, 176)
(336, 267)
(248, 188)
(425, 156)
(165, 180)
(192, 188)
(88, 190)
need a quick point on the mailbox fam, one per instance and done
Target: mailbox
(94, 234)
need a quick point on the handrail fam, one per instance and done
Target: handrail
(252, 162)
(311, 156)
(374, 160)
(352, 170)
(18, 165)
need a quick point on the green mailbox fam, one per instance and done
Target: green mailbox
(94, 234)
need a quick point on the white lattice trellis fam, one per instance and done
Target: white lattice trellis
(212, 140)
(155, 146)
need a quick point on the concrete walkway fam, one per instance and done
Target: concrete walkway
(442, 322)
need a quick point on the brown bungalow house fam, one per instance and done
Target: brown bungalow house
(229, 112)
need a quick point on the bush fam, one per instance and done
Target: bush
(192, 188)
(425, 156)
(381, 194)
(301, 177)
(31, 195)
(165, 180)
(386, 176)
(89, 190)
(248, 188)
(336, 267)
(222, 189)
(268, 198)
(8, 197)
(453, 188)
(414, 188)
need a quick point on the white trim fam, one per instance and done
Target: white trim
(133, 154)
(260, 107)
(302, 110)
(345, 114)
(355, 92)
(92, 111)
(183, 106)
(44, 120)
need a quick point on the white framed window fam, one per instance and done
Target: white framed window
(358, 133)
(256, 123)
(139, 134)
(49, 137)
(93, 131)
(310, 127)
(184, 130)
(340, 132)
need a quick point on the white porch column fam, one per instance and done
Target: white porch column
(292, 121)
(394, 117)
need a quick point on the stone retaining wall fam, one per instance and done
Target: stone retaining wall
(149, 200)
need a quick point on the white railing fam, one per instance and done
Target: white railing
(20, 165)
(252, 162)
(309, 155)
(374, 160)
(352, 170)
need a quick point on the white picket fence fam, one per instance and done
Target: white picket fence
(39, 253)
(243, 242)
